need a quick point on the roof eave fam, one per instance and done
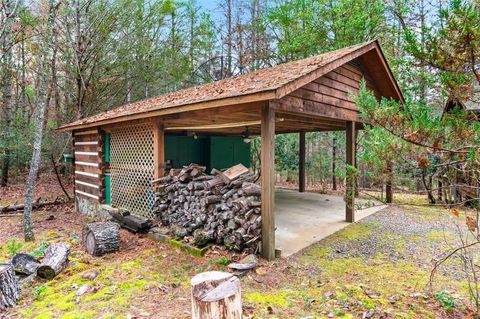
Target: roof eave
(246, 98)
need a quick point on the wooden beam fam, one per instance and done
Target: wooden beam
(350, 179)
(301, 163)
(158, 149)
(268, 178)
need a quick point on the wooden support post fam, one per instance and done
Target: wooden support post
(158, 149)
(268, 178)
(301, 163)
(388, 186)
(350, 180)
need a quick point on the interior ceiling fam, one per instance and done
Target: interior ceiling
(248, 123)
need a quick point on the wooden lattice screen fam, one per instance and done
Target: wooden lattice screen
(131, 167)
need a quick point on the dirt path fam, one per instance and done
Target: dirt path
(377, 268)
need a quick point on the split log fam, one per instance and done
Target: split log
(216, 295)
(235, 171)
(25, 264)
(55, 260)
(9, 287)
(132, 223)
(101, 238)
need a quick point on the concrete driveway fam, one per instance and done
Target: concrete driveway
(305, 218)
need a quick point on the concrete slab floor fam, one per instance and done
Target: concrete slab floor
(305, 218)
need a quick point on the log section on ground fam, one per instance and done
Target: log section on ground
(9, 288)
(216, 294)
(101, 238)
(25, 264)
(55, 260)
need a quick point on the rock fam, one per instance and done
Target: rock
(247, 263)
(90, 275)
(106, 212)
(159, 234)
(261, 271)
(368, 314)
(82, 290)
(179, 231)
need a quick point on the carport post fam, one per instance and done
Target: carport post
(268, 178)
(350, 179)
(158, 149)
(301, 163)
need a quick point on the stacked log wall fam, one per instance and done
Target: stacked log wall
(88, 170)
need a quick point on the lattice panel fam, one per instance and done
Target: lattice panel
(131, 168)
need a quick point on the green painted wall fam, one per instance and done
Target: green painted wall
(107, 189)
(106, 147)
(212, 151)
(183, 150)
(228, 151)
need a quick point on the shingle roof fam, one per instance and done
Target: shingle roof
(263, 80)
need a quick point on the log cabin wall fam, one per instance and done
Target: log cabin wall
(88, 170)
(331, 94)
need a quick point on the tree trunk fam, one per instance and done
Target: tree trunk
(55, 260)
(40, 101)
(9, 287)
(216, 295)
(428, 188)
(7, 65)
(101, 238)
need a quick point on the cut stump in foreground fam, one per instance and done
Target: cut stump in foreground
(55, 260)
(216, 295)
(101, 238)
(9, 287)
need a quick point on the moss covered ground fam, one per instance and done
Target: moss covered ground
(377, 268)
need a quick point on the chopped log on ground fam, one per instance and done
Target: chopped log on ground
(55, 260)
(216, 295)
(211, 208)
(9, 287)
(132, 223)
(101, 238)
(25, 264)
(36, 205)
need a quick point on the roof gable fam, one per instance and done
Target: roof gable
(264, 84)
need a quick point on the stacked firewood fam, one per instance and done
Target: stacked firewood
(221, 208)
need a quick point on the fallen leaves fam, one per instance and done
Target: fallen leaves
(472, 225)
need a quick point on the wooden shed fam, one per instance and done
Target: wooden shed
(313, 94)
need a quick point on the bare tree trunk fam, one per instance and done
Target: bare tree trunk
(41, 102)
(7, 43)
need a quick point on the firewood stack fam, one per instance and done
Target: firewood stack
(222, 208)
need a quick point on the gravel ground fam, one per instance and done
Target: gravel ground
(406, 233)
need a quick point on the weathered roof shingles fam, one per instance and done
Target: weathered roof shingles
(263, 80)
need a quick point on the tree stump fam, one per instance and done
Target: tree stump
(101, 238)
(9, 288)
(216, 295)
(55, 260)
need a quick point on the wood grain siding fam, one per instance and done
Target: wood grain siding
(88, 164)
(331, 95)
